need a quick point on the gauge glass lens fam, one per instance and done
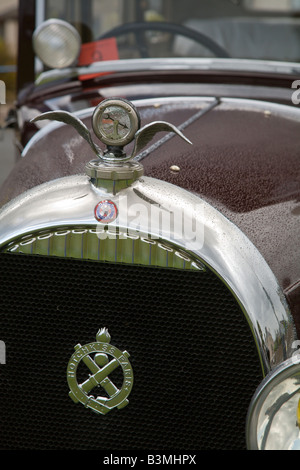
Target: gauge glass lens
(115, 123)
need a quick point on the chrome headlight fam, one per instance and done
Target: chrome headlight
(56, 43)
(274, 414)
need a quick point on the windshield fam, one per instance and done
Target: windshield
(241, 29)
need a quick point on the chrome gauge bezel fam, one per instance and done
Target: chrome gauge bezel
(129, 111)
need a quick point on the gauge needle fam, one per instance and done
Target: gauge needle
(108, 116)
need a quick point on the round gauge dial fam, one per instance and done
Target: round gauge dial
(115, 122)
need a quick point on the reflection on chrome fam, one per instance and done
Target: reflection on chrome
(278, 412)
(273, 420)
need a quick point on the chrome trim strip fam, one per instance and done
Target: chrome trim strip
(70, 202)
(176, 63)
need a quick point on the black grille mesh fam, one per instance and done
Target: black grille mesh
(193, 356)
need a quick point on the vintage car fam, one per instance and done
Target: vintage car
(149, 231)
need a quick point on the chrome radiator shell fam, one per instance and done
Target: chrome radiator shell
(68, 203)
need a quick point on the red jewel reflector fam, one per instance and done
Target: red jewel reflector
(106, 211)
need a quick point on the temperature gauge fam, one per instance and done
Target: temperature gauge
(115, 122)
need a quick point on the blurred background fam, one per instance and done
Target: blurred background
(8, 56)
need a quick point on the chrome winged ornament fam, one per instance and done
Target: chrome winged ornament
(116, 123)
(68, 118)
(147, 133)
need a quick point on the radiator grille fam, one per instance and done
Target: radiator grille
(192, 352)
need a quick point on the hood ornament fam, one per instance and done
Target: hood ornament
(116, 122)
(95, 357)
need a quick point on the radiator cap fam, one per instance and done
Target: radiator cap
(116, 122)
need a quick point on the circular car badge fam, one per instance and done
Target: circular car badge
(96, 356)
(106, 211)
(115, 122)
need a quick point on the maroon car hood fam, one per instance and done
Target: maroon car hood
(245, 161)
